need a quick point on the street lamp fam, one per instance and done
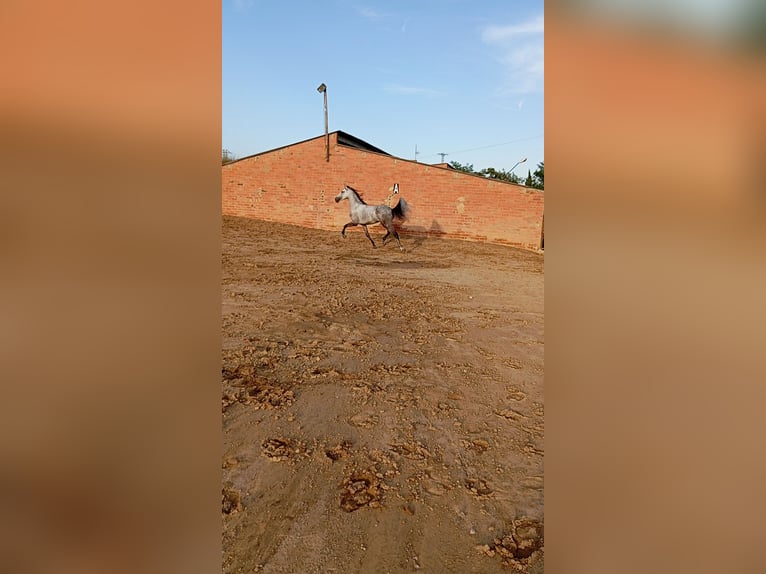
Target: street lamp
(517, 163)
(322, 89)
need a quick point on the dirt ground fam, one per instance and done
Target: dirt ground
(382, 411)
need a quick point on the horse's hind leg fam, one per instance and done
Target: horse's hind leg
(396, 235)
(389, 230)
(367, 233)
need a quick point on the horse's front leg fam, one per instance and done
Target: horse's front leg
(349, 224)
(367, 233)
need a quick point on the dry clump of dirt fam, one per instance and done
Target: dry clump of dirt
(477, 445)
(362, 488)
(280, 448)
(230, 501)
(338, 451)
(266, 396)
(414, 450)
(510, 414)
(478, 486)
(521, 547)
(254, 390)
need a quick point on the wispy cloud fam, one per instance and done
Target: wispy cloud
(242, 5)
(384, 18)
(520, 51)
(495, 34)
(370, 13)
(411, 90)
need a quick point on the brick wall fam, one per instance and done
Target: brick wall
(296, 185)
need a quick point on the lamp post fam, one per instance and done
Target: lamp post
(322, 89)
(517, 164)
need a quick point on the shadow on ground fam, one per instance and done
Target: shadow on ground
(421, 233)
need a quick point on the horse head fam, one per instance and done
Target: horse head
(343, 194)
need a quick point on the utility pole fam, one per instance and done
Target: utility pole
(443, 154)
(322, 89)
(416, 152)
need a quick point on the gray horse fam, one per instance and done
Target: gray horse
(364, 215)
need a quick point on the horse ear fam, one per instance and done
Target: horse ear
(396, 188)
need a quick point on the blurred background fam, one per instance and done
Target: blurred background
(656, 131)
(655, 144)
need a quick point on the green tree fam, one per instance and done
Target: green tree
(535, 180)
(467, 167)
(539, 176)
(502, 175)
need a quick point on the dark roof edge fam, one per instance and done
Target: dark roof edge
(348, 140)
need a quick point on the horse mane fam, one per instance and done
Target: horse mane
(359, 197)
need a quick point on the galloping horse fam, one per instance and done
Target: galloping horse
(364, 215)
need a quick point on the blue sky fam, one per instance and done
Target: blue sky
(455, 76)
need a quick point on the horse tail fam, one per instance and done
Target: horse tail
(401, 209)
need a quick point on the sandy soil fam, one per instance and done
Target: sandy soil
(382, 411)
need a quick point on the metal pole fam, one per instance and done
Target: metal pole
(322, 89)
(326, 129)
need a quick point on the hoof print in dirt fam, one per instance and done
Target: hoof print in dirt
(362, 488)
(266, 396)
(513, 363)
(521, 547)
(255, 390)
(230, 501)
(413, 450)
(510, 414)
(339, 451)
(278, 449)
(478, 445)
(478, 486)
